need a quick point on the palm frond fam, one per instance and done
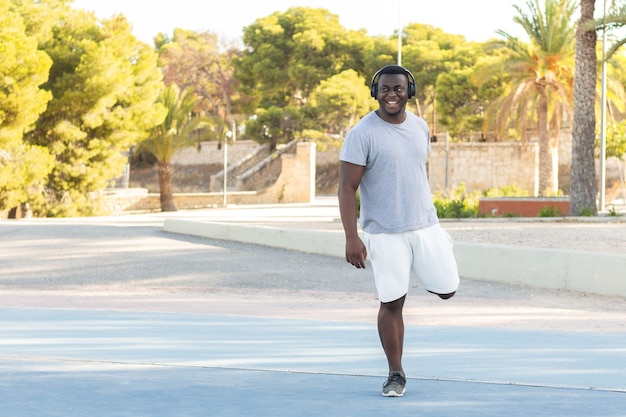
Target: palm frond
(182, 127)
(543, 65)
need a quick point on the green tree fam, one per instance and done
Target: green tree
(376, 52)
(23, 170)
(616, 147)
(461, 103)
(428, 52)
(23, 69)
(41, 16)
(340, 101)
(583, 173)
(201, 62)
(288, 54)
(187, 60)
(105, 84)
(616, 81)
(616, 140)
(182, 128)
(541, 79)
(273, 125)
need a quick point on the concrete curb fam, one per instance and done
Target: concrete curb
(591, 272)
(321, 242)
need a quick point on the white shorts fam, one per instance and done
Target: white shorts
(426, 252)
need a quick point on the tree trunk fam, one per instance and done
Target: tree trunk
(583, 172)
(547, 181)
(165, 186)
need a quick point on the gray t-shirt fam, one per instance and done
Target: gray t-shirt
(394, 190)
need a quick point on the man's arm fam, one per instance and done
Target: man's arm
(349, 180)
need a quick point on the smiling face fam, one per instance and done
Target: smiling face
(392, 97)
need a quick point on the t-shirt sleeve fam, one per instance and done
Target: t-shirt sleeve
(354, 149)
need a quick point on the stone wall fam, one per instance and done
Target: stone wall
(484, 165)
(295, 184)
(213, 153)
(479, 165)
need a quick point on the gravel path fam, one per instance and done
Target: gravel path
(599, 236)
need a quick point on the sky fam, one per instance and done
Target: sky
(477, 20)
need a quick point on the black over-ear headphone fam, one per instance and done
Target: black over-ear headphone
(374, 83)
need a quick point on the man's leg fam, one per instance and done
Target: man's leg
(444, 296)
(391, 332)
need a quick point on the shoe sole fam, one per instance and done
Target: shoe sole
(394, 394)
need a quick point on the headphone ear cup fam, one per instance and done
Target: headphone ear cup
(411, 77)
(374, 84)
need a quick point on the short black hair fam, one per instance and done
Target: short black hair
(392, 69)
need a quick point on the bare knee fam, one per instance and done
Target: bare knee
(446, 296)
(394, 307)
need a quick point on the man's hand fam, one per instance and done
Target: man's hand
(349, 180)
(356, 254)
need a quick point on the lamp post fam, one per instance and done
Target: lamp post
(225, 199)
(229, 135)
(399, 33)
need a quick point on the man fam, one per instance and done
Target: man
(384, 157)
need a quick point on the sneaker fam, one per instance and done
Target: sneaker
(394, 387)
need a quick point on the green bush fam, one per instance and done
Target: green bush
(455, 209)
(511, 215)
(550, 211)
(507, 191)
(586, 212)
(456, 203)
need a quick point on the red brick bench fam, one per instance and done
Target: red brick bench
(521, 206)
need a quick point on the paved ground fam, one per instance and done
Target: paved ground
(114, 317)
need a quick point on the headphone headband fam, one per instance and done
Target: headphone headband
(409, 75)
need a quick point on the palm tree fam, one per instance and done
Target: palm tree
(541, 80)
(180, 129)
(614, 19)
(583, 174)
